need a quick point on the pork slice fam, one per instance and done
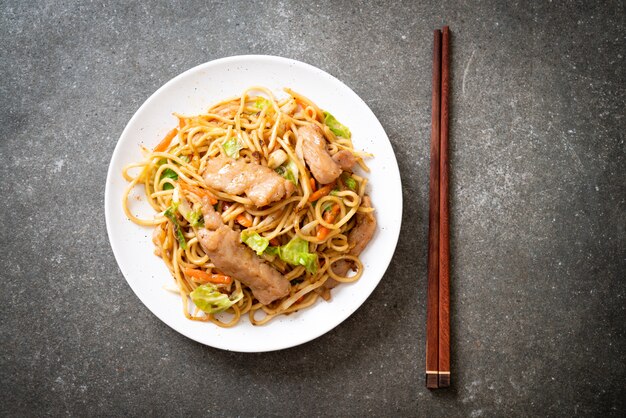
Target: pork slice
(268, 186)
(358, 238)
(345, 159)
(226, 174)
(260, 184)
(364, 229)
(229, 255)
(324, 168)
(212, 219)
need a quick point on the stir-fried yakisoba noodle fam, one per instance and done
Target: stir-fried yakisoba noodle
(259, 210)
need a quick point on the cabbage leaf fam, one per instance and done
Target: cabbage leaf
(211, 300)
(296, 252)
(254, 241)
(289, 171)
(232, 147)
(261, 102)
(170, 174)
(170, 213)
(335, 126)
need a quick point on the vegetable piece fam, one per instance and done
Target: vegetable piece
(170, 213)
(322, 232)
(296, 252)
(232, 147)
(198, 191)
(290, 171)
(334, 125)
(165, 142)
(196, 218)
(204, 277)
(327, 206)
(181, 122)
(321, 192)
(277, 158)
(170, 174)
(254, 241)
(350, 183)
(329, 216)
(211, 300)
(261, 102)
(243, 220)
(182, 205)
(313, 186)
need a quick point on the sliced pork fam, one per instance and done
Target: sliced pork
(260, 184)
(364, 229)
(358, 238)
(345, 159)
(324, 168)
(232, 257)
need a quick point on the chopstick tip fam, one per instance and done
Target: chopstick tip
(444, 380)
(432, 380)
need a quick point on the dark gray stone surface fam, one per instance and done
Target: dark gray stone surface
(539, 212)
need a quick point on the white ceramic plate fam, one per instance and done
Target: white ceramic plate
(192, 93)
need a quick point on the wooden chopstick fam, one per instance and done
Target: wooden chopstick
(432, 311)
(438, 295)
(444, 220)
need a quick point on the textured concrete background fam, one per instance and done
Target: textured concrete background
(539, 212)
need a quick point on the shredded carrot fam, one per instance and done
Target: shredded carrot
(329, 216)
(275, 242)
(181, 123)
(198, 191)
(322, 232)
(313, 187)
(162, 146)
(243, 220)
(321, 192)
(204, 277)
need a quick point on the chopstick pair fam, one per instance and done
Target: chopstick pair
(438, 295)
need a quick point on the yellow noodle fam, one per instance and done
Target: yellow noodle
(261, 127)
